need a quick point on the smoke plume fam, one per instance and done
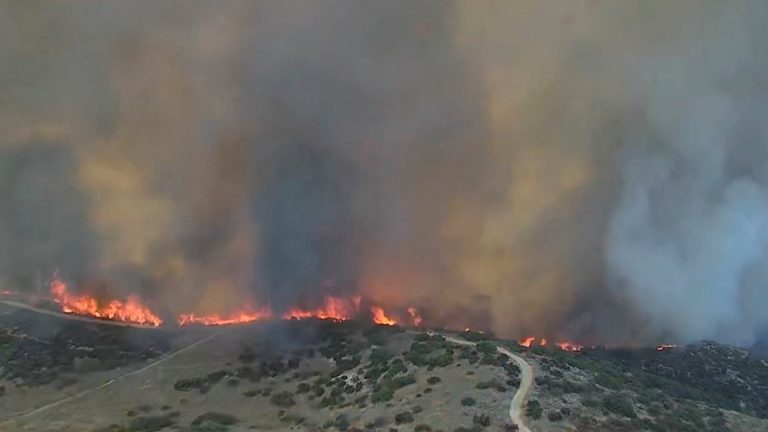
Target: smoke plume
(589, 169)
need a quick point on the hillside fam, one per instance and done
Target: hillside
(313, 375)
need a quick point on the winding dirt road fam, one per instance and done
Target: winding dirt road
(526, 382)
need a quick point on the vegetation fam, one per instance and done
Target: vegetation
(283, 399)
(533, 409)
(468, 401)
(404, 417)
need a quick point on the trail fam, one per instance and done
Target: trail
(33, 411)
(20, 305)
(526, 382)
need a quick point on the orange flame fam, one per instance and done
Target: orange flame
(334, 308)
(665, 347)
(570, 346)
(215, 319)
(132, 310)
(379, 317)
(415, 316)
(565, 346)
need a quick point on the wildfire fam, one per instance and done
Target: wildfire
(334, 308)
(570, 346)
(131, 310)
(665, 347)
(415, 316)
(565, 346)
(215, 319)
(380, 317)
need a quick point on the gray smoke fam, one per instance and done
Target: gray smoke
(594, 170)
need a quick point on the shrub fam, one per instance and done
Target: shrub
(216, 417)
(468, 401)
(384, 394)
(303, 388)
(283, 399)
(422, 428)
(554, 416)
(341, 422)
(200, 384)
(404, 417)
(433, 380)
(209, 426)
(483, 420)
(150, 423)
(533, 409)
(620, 405)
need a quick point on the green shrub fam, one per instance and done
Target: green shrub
(483, 420)
(533, 409)
(216, 417)
(433, 380)
(404, 417)
(555, 416)
(150, 423)
(283, 399)
(619, 404)
(384, 394)
(468, 401)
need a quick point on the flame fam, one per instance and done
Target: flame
(570, 346)
(415, 316)
(334, 308)
(215, 319)
(379, 317)
(132, 310)
(565, 346)
(665, 347)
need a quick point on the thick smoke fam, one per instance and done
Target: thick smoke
(592, 169)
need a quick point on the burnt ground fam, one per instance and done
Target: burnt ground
(315, 375)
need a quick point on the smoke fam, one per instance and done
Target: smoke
(592, 169)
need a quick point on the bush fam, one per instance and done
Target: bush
(283, 399)
(200, 384)
(341, 422)
(468, 401)
(384, 394)
(483, 420)
(422, 428)
(533, 409)
(150, 423)
(215, 417)
(555, 416)
(404, 417)
(209, 426)
(433, 380)
(303, 388)
(619, 404)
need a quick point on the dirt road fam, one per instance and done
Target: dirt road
(526, 382)
(33, 411)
